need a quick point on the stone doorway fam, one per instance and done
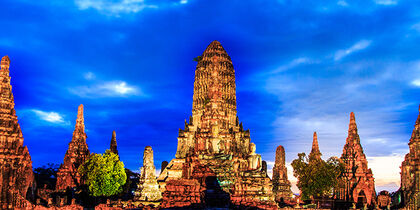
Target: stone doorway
(361, 199)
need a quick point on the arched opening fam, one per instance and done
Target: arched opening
(361, 199)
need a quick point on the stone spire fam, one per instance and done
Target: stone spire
(410, 170)
(281, 185)
(148, 188)
(358, 178)
(77, 153)
(214, 144)
(113, 146)
(16, 175)
(315, 153)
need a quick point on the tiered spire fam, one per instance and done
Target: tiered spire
(16, 174)
(357, 176)
(315, 153)
(77, 153)
(113, 146)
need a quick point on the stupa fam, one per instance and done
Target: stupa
(281, 185)
(215, 162)
(359, 184)
(148, 188)
(410, 170)
(16, 175)
(77, 153)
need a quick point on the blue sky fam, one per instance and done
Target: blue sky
(300, 67)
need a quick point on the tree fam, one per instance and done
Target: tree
(46, 175)
(317, 178)
(104, 174)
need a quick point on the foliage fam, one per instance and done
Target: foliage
(46, 175)
(198, 58)
(104, 174)
(317, 178)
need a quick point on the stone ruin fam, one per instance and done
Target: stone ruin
(77, 153)
(215, 162)
(410, 170)
(384, 200)
(113, 145)
(359, 185)
(281, 185)
(16, 175)
(148, 188)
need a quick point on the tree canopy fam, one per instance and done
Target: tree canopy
(104, 174)
(317, 178)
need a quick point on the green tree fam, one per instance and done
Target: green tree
(317, 178)
(104, 174)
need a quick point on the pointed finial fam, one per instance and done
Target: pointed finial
(5, 62)
(113, 146)
(352, 124)
(80, 121)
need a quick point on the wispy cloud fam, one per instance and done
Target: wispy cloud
(416, 82)
(52, 117)
(120, 7)
(107, 89)
(89, 75)
(293, 63)
(386, 2)
(360, 45)
(342, 3)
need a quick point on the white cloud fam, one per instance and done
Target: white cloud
(386, 2)
(416, 82)
(342, 3)
(293, 63)
(360, 45)
(113, 7)
(107, 89)
(52, 117)
(121, 6)
(89, 76)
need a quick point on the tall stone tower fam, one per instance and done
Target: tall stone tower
(315, 154)
(148, 188)
(16, 174)
(77, 153)
(410, 170)
(359, 185)
(214, 155)
(281, 185)
(113, 145)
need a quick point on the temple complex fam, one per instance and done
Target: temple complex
(77, 153)
(113, 145)
(359, 185)
(148, 188)
(410, 170)
(16, 175)
(281, 185)
(315, 154)
(215, 162)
